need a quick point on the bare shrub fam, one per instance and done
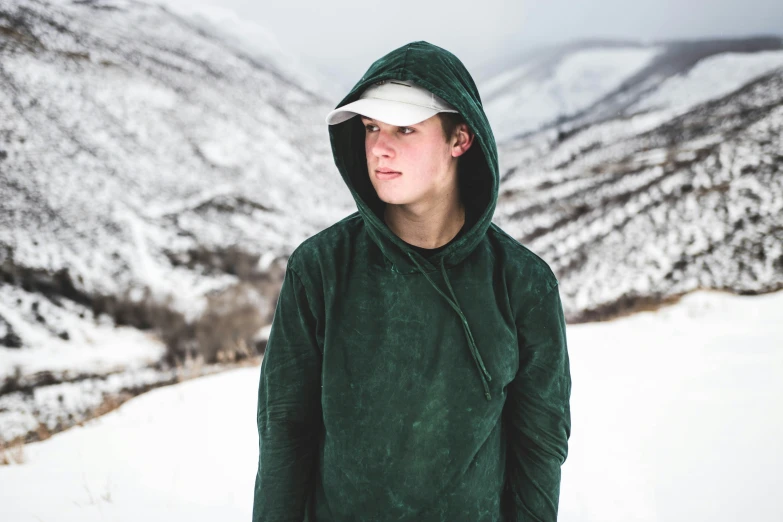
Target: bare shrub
(233, 316)
(150, 313)
(53, 285)
(225, 332)
(9, 339)
(230, 260)
(11, 382)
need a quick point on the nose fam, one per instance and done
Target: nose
(381, 146)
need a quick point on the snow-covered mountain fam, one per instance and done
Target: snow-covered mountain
(664, 178)
(553, 85)
(584, 82)
(157, 166)
(144, 148)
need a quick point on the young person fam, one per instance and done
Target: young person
(417, 366)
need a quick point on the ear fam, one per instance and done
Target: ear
(462, 140)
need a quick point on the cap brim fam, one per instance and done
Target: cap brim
(387, 111)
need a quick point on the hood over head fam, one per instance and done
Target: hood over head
(444, 75)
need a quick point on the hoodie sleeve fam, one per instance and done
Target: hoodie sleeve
(289, 408)
(538, 413)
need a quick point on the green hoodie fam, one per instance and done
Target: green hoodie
(399, 387)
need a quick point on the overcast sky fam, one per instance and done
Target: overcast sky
(341, 38)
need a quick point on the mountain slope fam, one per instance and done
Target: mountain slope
(638, 209)
(155, 173)
(131, 139)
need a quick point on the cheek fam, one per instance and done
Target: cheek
(429, 161)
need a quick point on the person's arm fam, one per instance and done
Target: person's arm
(538, 413)
(289, 408)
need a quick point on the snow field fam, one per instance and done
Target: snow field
(675, 416)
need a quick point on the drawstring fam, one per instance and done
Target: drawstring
(483, 373)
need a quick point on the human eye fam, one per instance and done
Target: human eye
(370, 127)
(406, 130)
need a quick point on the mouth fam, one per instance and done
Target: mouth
(386, 173)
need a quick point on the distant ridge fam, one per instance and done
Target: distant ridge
(667, 182)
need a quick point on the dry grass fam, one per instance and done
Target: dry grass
(625, 306)
(12, 453)
(110, 403)
(629, 305)
(43, 432)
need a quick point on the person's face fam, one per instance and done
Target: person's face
(409, 165)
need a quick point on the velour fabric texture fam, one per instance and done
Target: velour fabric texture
(396, 387)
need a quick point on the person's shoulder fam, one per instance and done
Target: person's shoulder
(326, 243)
(520, 262)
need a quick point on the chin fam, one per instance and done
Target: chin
(392, 197)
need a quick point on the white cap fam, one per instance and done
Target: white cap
(396, 102)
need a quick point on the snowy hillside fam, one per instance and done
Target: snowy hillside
(131, 135)
(156, 170)
(670, 184)
(651, 441)
(132, 141)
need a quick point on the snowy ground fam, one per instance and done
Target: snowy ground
(676, 417)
